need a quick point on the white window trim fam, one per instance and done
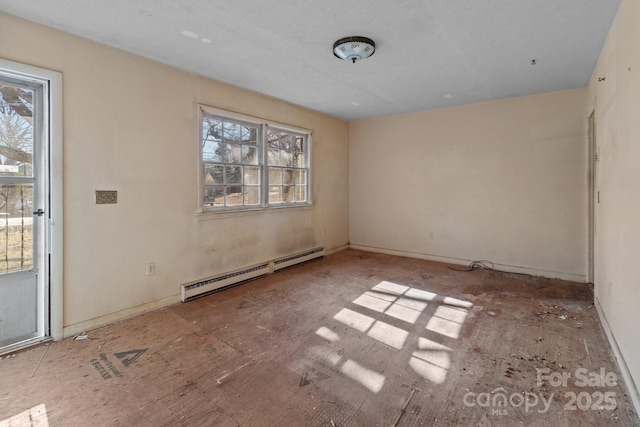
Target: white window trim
(203, 212)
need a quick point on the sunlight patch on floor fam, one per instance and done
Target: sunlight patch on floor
(431, 359)
(32, 417)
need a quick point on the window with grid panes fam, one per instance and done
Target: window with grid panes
(231, 157)
(250, 164)
(287, 163)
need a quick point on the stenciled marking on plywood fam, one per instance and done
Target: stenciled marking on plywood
(105, 367)
(245, 304)
(108, 370)
(128, 357)
(101, 370)
(109, 364)
(309, 375)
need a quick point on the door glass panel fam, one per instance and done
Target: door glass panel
(24, 132)
(16, 227)
(16, 131)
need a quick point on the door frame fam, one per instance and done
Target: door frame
(53, 130)
(593, 197)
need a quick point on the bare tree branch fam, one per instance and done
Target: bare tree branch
(17, 100)
(15, 154)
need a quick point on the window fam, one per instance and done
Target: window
(249, 164)
(287, 166)
(230, 154)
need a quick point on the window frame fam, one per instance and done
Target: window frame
(263, 126)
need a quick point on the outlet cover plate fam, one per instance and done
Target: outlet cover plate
(106, 197)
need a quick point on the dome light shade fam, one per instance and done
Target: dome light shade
(354, 48)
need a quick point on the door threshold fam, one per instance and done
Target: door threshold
(23, 345)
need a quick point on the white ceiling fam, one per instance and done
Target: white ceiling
(429, 53)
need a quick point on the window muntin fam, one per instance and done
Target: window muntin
(250, 165)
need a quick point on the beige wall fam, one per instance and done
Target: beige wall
(616, 103)
(503, 181)
(131, 125)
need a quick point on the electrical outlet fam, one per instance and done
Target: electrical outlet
(150, 269)
(432, 235)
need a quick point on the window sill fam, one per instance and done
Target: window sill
(222, 214)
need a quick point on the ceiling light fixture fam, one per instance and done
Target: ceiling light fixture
(354, 48)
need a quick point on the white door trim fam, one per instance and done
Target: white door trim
(593, 198)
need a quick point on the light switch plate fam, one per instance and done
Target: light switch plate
(106, 197)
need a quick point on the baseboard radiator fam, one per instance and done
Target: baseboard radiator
(200, 288)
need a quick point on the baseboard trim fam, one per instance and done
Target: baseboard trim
(336, 250)
(580, 278)
(96, 322)
(619, 359)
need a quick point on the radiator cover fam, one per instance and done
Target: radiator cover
(203, 287)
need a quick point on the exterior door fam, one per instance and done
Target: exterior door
(24, 299)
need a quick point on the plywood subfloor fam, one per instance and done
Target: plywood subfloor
(355, 339)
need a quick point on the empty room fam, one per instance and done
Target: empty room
(337, 213)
